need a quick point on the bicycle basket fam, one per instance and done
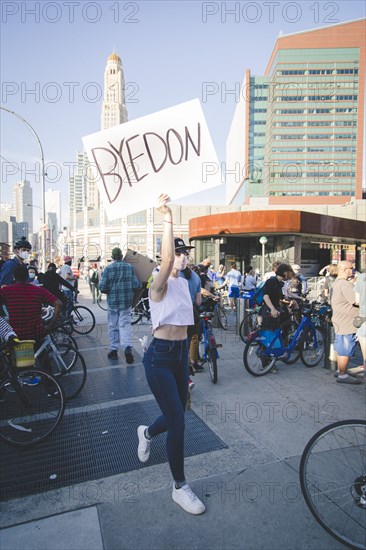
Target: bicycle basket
(23, 354)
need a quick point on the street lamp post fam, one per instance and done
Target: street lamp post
(42, 178)
(263, 241)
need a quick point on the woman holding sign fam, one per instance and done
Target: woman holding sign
(166, 360)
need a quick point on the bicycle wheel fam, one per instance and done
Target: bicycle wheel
(255, 362)
(83, 320)
(102, 303)
(136, 315)
(312, 347)
(333, 480)
(31, 407)
(70, 376)
(221, 316)
(249, 324)
(288, 330)
(63, 341)
(212, 363)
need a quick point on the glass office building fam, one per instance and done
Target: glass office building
(302, 123)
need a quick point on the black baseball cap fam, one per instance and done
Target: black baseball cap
(180, 246)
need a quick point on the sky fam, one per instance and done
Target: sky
(53, 56)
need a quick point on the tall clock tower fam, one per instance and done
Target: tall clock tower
(114, 110)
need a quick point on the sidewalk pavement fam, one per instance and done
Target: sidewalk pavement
(251, 488)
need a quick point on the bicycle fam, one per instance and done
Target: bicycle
(65, 363)
(102, 303)
(32, 402)
(209, 345)
(249, 323)
(81, 319)
(333, 480)
(264, 347)
(220, 312)
(140, 310)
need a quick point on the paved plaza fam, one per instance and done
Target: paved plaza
(249, 482)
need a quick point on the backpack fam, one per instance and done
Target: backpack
(259, 293)
(94, 278)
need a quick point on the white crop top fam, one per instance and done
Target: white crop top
(175, 308)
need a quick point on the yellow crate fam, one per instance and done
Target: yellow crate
(24, 354)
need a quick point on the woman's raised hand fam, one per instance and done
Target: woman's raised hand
(162, 203)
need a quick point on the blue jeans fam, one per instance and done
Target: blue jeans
(166, 368)
(70, 300)
(119, 328)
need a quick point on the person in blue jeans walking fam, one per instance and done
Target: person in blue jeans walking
(119, 282)
(166, 359)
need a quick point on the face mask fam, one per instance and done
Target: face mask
(31, 275)
(23, 254)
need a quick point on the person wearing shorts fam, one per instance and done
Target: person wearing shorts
(233, 280)
(344, 311)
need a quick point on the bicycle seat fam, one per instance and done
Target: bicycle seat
(207, 315)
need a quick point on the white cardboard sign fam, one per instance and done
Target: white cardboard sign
(165, 152)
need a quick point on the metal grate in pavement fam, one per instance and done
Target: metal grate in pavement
(110, 384)
(93, 445)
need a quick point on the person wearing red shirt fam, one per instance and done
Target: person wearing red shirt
(24, 303)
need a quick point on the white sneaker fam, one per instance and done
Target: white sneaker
(143, 450)
(186, 498)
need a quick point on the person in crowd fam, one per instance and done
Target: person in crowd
(273, 297)
(233, 280)
(292, 288)
(343, 302)
(53, 282)
(21, 253)
(119, 282)
(272, 312)
(94, 281)
(203, 268)
(272, 273)
(32, 275)
(204, 265)
(249, 279)
(6, 331)
(24, 303)
(360, 292)
(220, 275)
(67, 274)
(297, 270)
(328, 282)
(211, 274)
(76, 272)
(166, 361)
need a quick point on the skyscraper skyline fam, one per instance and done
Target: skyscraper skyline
(23, 205)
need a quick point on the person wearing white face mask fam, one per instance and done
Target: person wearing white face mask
(21, 253)
(32, 275)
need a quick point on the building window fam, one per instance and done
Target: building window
(347, 71)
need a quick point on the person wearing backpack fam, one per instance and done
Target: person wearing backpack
(94, 281)
(271, 312)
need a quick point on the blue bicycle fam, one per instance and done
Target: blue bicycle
(289, 343)
(210, 353)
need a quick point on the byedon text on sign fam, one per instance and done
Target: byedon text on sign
(164, 152)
